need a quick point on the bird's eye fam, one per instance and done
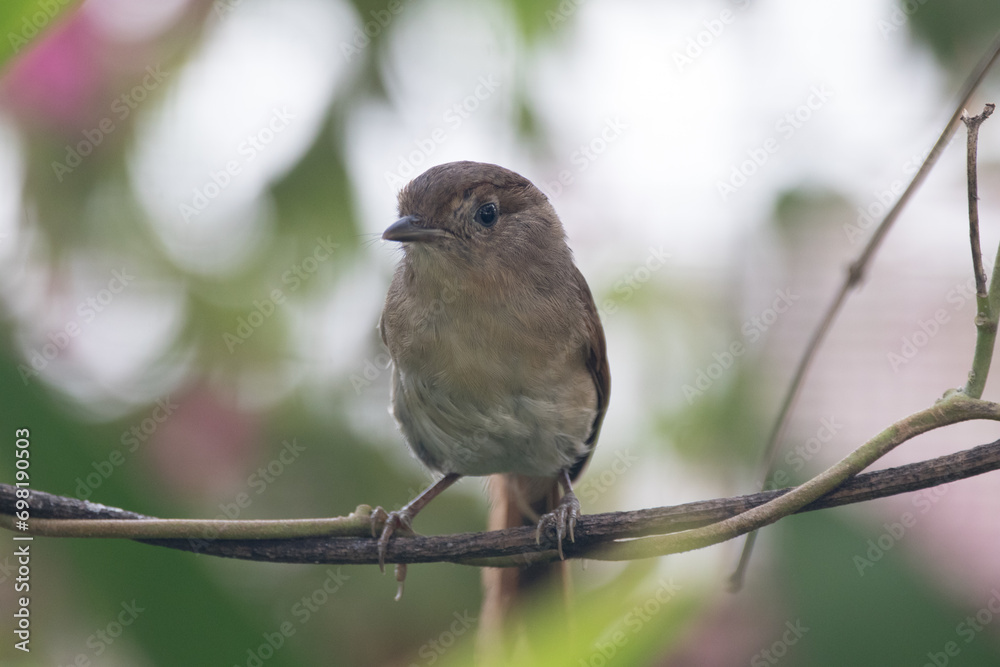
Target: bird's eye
(487, 215)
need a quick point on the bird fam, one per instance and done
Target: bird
(499, 358)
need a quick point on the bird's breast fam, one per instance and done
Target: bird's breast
(481, 388)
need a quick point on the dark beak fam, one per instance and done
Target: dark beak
(408, 229)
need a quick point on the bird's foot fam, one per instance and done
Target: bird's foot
(388, 523)
(402, 521)
(562, 519)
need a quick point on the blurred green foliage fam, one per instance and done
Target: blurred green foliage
(22, 21)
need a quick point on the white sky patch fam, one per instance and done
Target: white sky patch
(133, 20)
(236, 118)
(11, 204)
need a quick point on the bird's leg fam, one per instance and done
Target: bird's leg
(403, 518)
(563, 517)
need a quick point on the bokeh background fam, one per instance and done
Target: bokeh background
(191, 199)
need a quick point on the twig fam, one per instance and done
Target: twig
(972, 123)
(854, 275)
(136, 527)
(986, 314)
(953, 408)
(514, 546)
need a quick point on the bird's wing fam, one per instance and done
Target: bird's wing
(596, 359)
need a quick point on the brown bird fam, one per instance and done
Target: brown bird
(499, 357)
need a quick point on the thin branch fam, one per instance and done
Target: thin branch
(972, 123)
(517, 546)
(136, 527)
(853, 277)
(986, 314)
(955, 407)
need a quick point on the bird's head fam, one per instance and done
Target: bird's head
(479, 217)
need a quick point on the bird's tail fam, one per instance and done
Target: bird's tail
(517, 501)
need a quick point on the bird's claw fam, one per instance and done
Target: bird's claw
(389, 522)
(378, 518)
(400, 579)
(562, 519)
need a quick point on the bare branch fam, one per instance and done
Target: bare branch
(517, 546)
(972, 145)
(986, 313)
(854, 275)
